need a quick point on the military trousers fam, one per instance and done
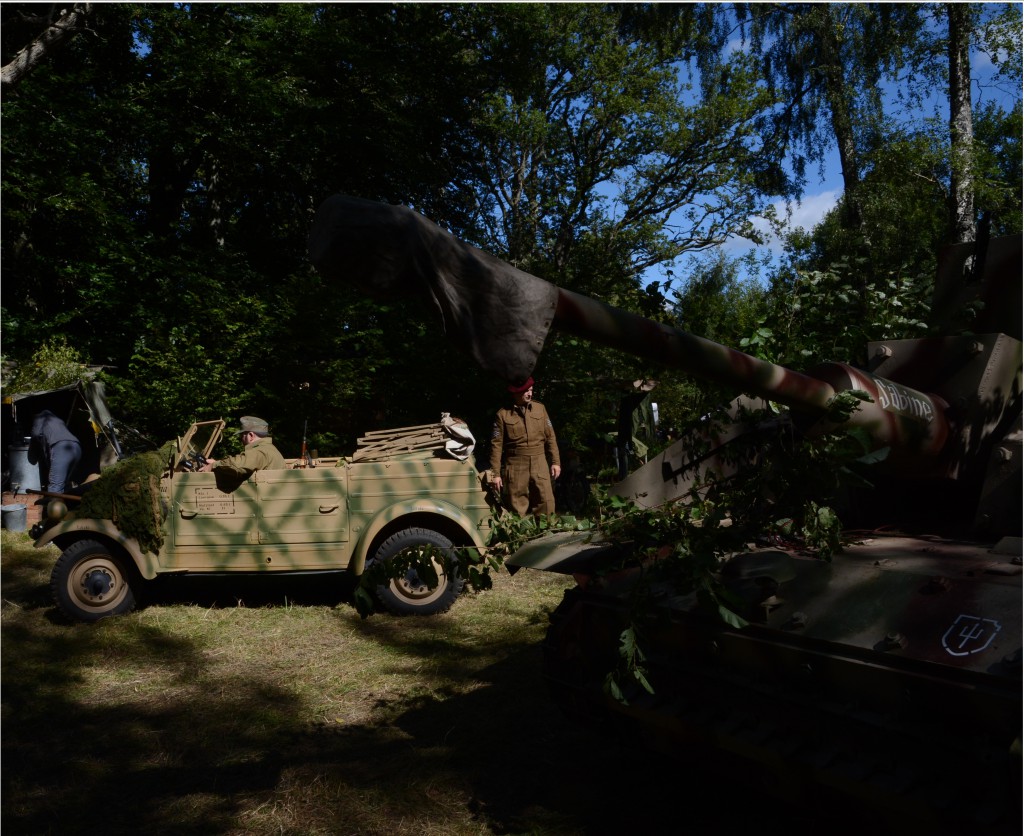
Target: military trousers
(528, 485)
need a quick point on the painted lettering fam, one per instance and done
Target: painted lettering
(896, 398)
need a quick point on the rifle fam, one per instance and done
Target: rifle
(304, 457)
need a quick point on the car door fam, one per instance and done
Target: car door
(211, 529)
(302, 506)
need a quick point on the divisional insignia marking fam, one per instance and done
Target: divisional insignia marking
(970, 634)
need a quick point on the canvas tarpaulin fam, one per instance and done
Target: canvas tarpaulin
(500, 314)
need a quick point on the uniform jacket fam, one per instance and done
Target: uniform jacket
(523, 431)
(260, 455)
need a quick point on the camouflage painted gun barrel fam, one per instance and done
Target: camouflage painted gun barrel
(892, 672)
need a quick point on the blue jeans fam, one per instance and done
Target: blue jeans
(64, 456)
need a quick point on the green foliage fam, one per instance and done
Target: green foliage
(719, 300)
(128, 494)
(601, 139)
(511, 532)
(784, 492)
(999, 177)
(828, 60)
(52, 365)
(831, 314)
(633, 659)
(822, 528)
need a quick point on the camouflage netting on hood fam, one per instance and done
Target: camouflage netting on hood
(128, 494)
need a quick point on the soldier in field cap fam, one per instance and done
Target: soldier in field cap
(259, 453)
(524, 437)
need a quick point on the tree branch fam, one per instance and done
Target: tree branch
(68, 23)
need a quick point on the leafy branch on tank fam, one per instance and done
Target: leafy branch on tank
(781, 492)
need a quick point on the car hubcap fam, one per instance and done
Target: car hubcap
(97, 584)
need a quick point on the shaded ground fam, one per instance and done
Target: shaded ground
(231, 709)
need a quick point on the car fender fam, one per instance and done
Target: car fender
(414, 507)
(68, 531)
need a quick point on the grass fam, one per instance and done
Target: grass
(274, 712)
(231, 708)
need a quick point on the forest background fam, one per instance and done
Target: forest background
(162, 164)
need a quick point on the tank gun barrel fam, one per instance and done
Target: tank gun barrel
(502, 316)
(595, 321)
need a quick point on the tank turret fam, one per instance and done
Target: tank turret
(891, 674)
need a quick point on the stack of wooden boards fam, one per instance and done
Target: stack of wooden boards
(385, 444)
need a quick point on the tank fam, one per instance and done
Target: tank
(888, 676)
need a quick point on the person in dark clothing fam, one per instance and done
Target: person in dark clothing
(56, 448)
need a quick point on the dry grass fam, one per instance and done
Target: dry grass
(230, 708)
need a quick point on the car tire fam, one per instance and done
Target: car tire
(410, 595)
(88, 582)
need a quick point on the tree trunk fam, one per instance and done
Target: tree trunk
(961, 126)
(838, 98)
(28, 58)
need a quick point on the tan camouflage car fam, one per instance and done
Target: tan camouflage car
(404, 489)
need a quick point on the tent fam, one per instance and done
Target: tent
(82, 406)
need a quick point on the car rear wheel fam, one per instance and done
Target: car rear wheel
(412, 593)
(88, 582)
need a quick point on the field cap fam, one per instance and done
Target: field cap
(251, 424)
(522, 387)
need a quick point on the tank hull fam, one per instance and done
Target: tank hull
(890, 676)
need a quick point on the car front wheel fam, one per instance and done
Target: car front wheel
(89, 582)
(413, 593)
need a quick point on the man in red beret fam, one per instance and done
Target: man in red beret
(523, 434)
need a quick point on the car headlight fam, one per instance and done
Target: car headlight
(56, 510)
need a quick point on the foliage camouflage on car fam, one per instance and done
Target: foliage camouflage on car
(128, 494)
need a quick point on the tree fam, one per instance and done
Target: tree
(602, 144)
(720, 301)
(159, 178)
(607, 154)
(48, 32)
(827, 61)
(961, 126)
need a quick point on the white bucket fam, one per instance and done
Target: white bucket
(15, 517)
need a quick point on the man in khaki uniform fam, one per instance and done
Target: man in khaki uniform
(259, 453)
(523, 434)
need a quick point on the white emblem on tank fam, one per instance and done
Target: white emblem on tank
(969, 634)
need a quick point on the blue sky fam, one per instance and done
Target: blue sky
(825, 187)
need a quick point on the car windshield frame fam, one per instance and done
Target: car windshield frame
(200, 439)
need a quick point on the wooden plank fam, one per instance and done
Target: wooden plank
(379, 444)
(398, 430)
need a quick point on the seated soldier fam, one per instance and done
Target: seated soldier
(259, 453)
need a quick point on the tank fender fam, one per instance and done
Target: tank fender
(777, 565)
(419, 507)
(65, 533)
(565, 552)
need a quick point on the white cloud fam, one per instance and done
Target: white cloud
(806, 213)
(812, 209)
